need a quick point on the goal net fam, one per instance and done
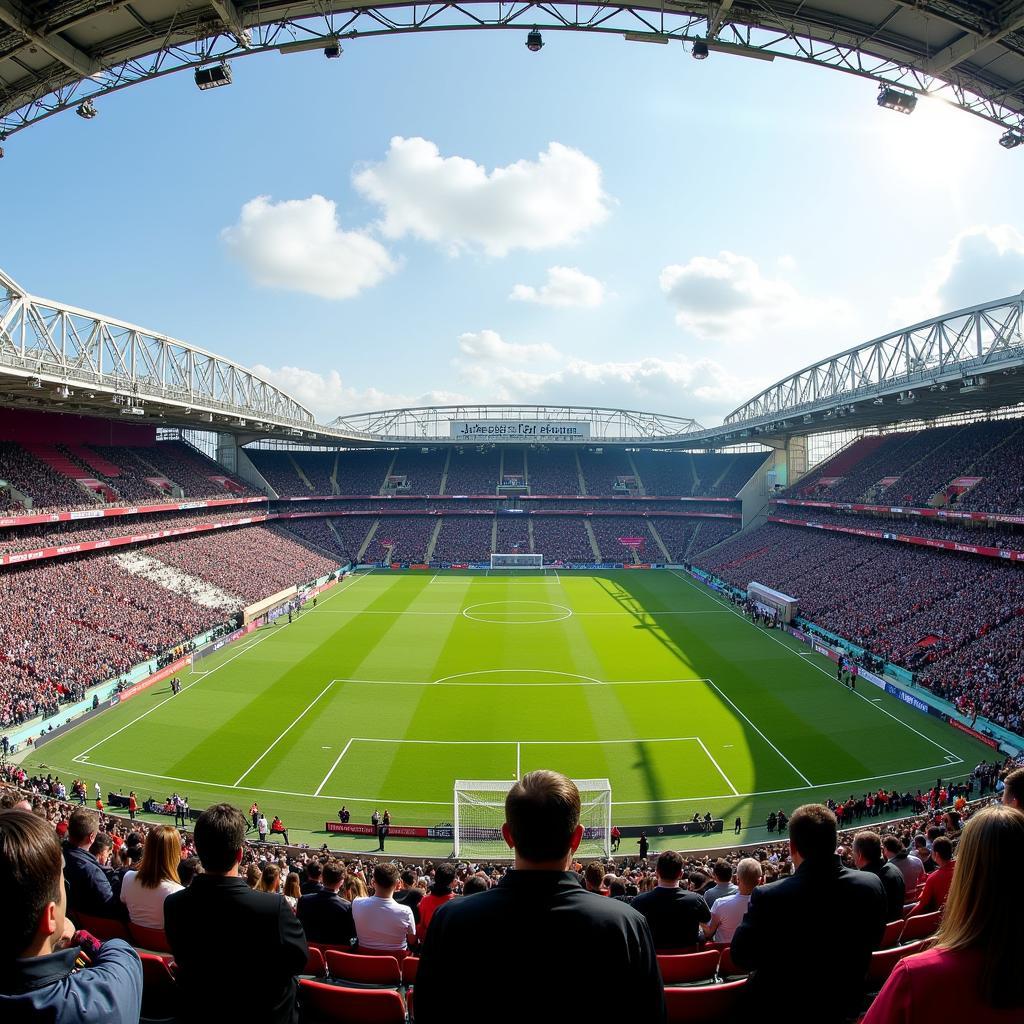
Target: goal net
(516, 561)
(480, 813)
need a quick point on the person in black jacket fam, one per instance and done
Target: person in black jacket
(673, 914)
(325, 916)
(537, 938)
(867, 855)
(312, 881)
(89, 887)
(808, 938)
(230, 941)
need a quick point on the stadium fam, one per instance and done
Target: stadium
(372, 628)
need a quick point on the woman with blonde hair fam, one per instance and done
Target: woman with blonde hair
(354, 887)
(292, 889)
(972, 971)
(270, 880)
(143, 891)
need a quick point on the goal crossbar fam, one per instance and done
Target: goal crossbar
(479, 812)
(516, 560)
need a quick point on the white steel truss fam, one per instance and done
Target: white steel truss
(431, 423)
(969, 54)
(50, 346)
(958, 347)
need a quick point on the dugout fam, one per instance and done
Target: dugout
(787, 607)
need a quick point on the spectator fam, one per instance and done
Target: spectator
(312, 882)
(909, 866)
(867, 856)
(810, 935)
(90, 891)
(410, 894)
(539, 931)
(728, 911)
(40, 979)
(722, 870)
(228, 941)
(673, 914)
(972, 972)
(439, 894)
(383, 924)
(1013, 789)
(292, 890)
(936, 887)
(270, 879)
(324, 915)
(143, 892)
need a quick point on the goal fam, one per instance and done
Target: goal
(516, 561)
(480, 813)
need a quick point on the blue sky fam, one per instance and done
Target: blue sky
(660, 233)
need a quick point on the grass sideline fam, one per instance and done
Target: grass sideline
(397, 684)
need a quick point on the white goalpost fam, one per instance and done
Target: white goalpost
(515, 560)
(480, 813)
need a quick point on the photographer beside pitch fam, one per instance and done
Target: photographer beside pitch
(543, 945)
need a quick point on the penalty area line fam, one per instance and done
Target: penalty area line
(333, 766)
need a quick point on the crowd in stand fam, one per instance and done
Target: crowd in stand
(473, 472)
(253, 563)
(77, 531)
(802, 916)
(602, 469)
(999, 536)
(553, 471)
(320, 534)
(49, 490)
(911, 606)
(464, 539)
(562, 538)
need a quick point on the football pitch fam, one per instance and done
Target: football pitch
(397, 684)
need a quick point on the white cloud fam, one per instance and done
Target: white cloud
(327, 396)
(565, 286)
(457, 203)
(299, 245)
(729, 297)
(982, 263)
(489, 347)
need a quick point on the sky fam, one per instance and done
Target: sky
(450, 217)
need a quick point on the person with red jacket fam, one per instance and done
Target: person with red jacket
(936, 887)
(972, 972)
(440, 894)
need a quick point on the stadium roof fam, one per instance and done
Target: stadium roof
(56, 54)
(64, 359)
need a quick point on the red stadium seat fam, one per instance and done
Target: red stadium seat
(884, 960)
(316, 965)
(409, 967)
(704, 1004)
(102, 927)
(364, 971)
(892, 933)
(728, 968)
(149, 938)
(158, 993)
(689, 969)
(921, 927)
(332, 1004)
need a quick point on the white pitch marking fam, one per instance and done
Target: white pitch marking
(295, 721)
(857, 693)
(333, 766)
(728, 782)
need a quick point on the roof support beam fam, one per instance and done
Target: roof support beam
(58, 48)
(716, 19)
(970, 44)
(232, 18)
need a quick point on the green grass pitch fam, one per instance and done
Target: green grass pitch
(398, 684)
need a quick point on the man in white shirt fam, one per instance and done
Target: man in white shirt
(381, 922)
(728, 911)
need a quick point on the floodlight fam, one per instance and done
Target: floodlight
(213, 77)
(534, 41)
(700, 49)
(87, 110)
(1012, 139)
(332, 51)
(896, 99)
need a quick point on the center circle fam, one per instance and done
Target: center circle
(517, 613)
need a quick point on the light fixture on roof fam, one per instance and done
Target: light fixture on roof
(534, 41)
(900, 100)
(87, 110)
(700, 49)
(1013, 138)
(332, 51)
(213, 77)
(906, 397)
